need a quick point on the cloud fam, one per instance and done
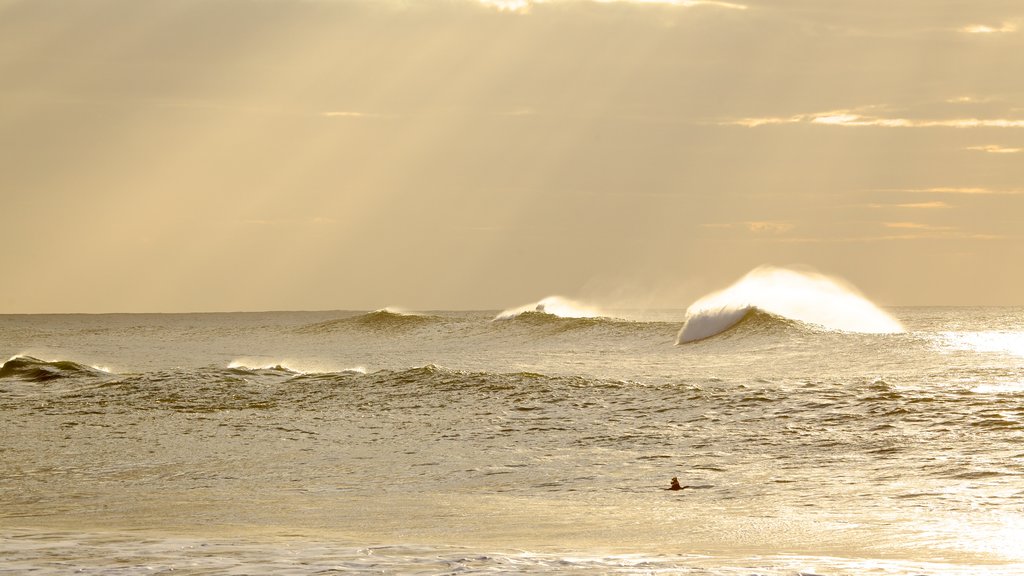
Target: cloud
(925, 205)
(951, 190)
(901, 231)
(913, 226)
(765, 121)
(970, 100)
(288, 222)
(1004, 28)
(524, 111)
(344, 114)
(353, 114)
(769, 227)
(909, 235)
(937, 204)
(844, 118)
(684, 3)
(520, 6)
(994, 149)
(524, 6)
(851, 118)
(966, 190)
(754, 226)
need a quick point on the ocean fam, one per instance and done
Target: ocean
(537, 440)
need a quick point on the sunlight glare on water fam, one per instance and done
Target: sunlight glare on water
(995, 342)
(539, 444)
(999, 535)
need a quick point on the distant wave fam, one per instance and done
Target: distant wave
(553, 306)
(545, 319)
(36, 370)
(287, 367)
(435, 378)
(216, 389)
(244, 366)
(539, 323)
(385, 319)
(806, 297)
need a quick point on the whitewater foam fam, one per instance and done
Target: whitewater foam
(394, 310)
(807, 297)
(290, 366)
(707, 323)
(555, 306)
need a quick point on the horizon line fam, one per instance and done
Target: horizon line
(412, 310)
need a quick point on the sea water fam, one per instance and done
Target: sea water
(522, 442)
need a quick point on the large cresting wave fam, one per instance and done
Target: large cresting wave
(807, 297)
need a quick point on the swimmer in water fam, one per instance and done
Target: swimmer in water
(675, 485)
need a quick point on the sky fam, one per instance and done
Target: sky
(224, 155)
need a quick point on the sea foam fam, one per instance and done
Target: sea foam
(807, 297)
(294, 367)
(555, 306)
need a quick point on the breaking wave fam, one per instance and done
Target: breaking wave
(532, 325)
(806, 297)
(287, 367)
(747, 320)
(556, 316)
(553, 306)
(36, 370)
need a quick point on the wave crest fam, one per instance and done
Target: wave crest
(385, 319)
(286, 368)
(748, 319)
(552, 306)
(807, 297)
(36, 370)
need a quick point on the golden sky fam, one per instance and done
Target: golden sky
(201, 155)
